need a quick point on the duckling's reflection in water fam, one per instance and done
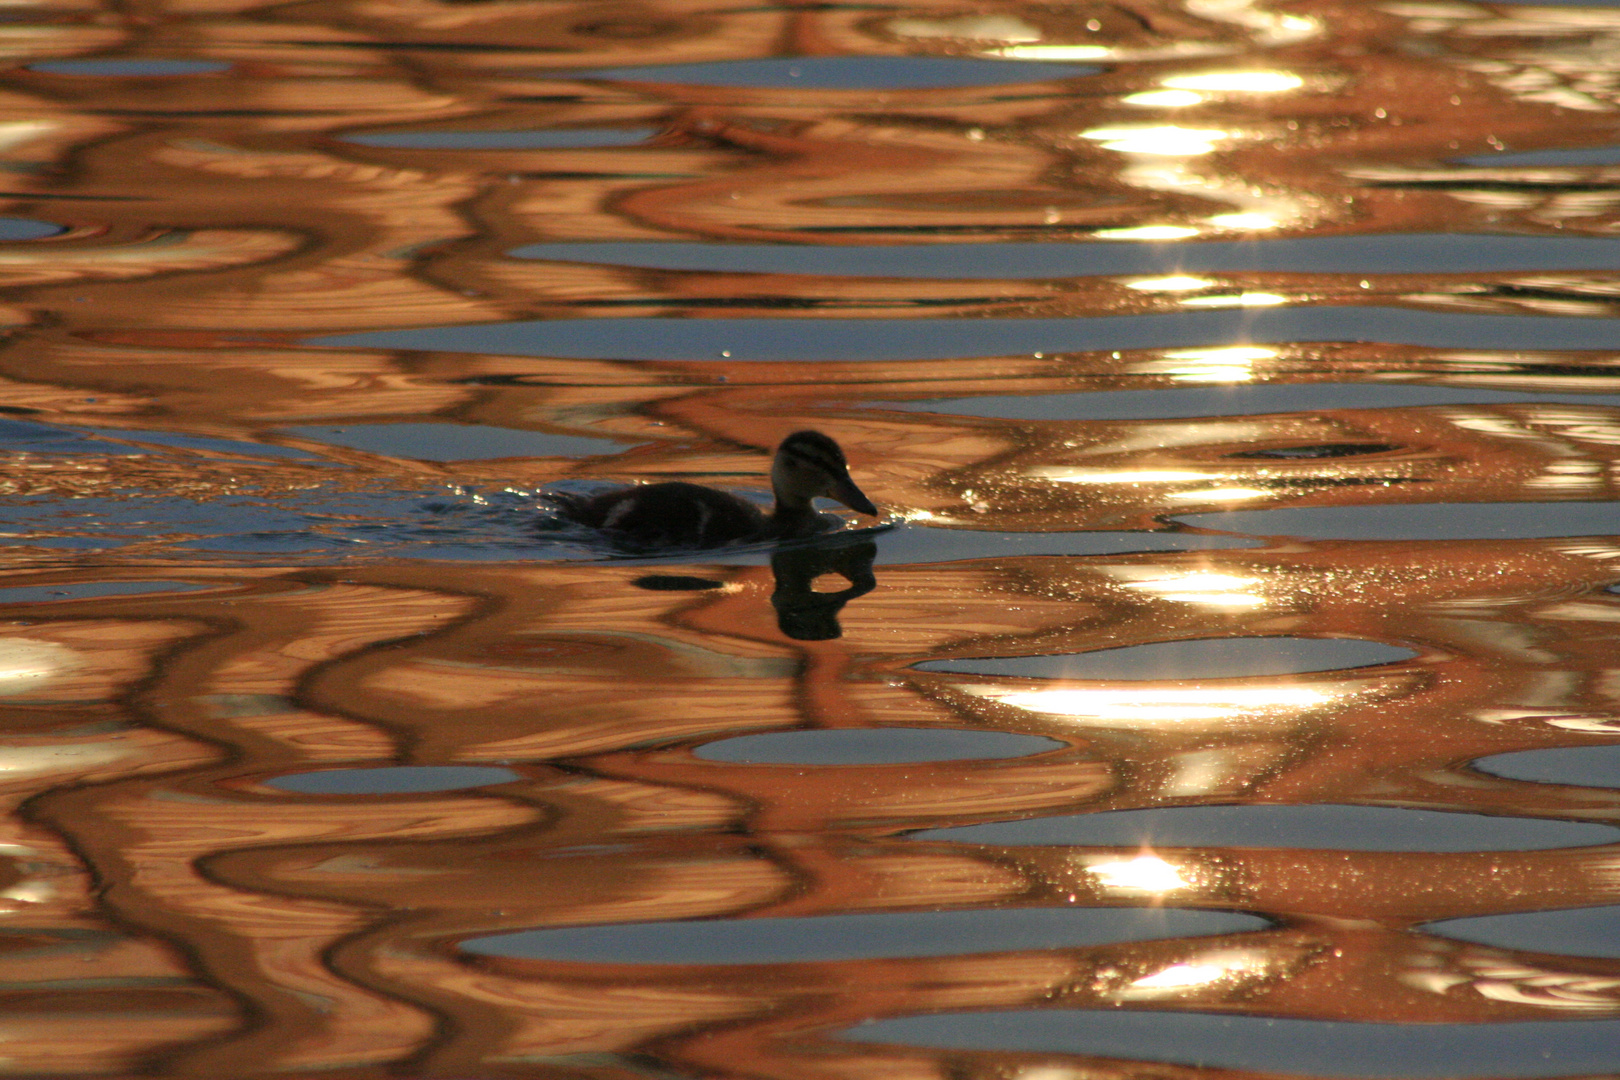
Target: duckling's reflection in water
(804, 614)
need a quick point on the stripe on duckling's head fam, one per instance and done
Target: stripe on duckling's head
(814, 448)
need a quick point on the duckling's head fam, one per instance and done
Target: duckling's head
(808, 465)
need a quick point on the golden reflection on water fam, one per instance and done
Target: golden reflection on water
(203, 596)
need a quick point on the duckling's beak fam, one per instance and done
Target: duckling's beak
(843, 490)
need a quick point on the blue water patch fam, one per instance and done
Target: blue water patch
(456, 524)
(851, 937)
(456, 442)
(54, 439)
(24, 435)
(199, 442)
(125, 68)
(1329, 827)
(220, 524)
(463, 524)
(1201, 658)
(1272, 1045)
(1411, 253)
(1240, 399)
(89, 590)
(846, 72)
(920, 339)
(875, 746)
(911, 543)
(393, 780)
(1591, 155)
(1587, 931)
(1585, 766)
(516, 139)
(1421, 521)
(19, 228)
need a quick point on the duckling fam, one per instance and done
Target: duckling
(680, 515)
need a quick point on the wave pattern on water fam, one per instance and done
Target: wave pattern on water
(1155, 328)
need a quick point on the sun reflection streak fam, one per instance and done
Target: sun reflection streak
(1056, 52)
(1146, 873)
(1147, 232)
(1248, 219)
(1214, 590)
(1222, 966)
(28, 663)
(1243, 300)
(1179, 976)
(1171, 283)
(1268, 27)
(1227, 363)
(1250, 82)
(1225, 494)
(14, 133)
(1200, 579)
(1163, 99)
(1160, 140)
(1153, 706)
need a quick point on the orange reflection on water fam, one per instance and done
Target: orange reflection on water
(169, 907)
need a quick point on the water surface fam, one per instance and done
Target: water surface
(1227, 683)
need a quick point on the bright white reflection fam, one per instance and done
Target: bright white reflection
(1226, 363)
(28, 663)
(30, 892)
(1245, 220)
(72, 757)
(1145, 873)
(1222, 354)
(1055, 52)
(1215, 374)
(1569, 477)
(1199, 773)
(1153, 705)
(1226, 494)
(1209, 590)
(1051, 1072)
(1253, 82)
(1163, 99)
(1162, 140)
(14, 133)
(1179, 976)
(1269, 28)
(1248, 299)
(1589, 724)
(1207, 970)
(1147, 232)
(1198, 579)
(1172, 283)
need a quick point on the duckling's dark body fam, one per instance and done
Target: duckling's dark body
(681, 515)
(674, 514)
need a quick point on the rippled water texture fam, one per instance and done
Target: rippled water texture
(1229, 690)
